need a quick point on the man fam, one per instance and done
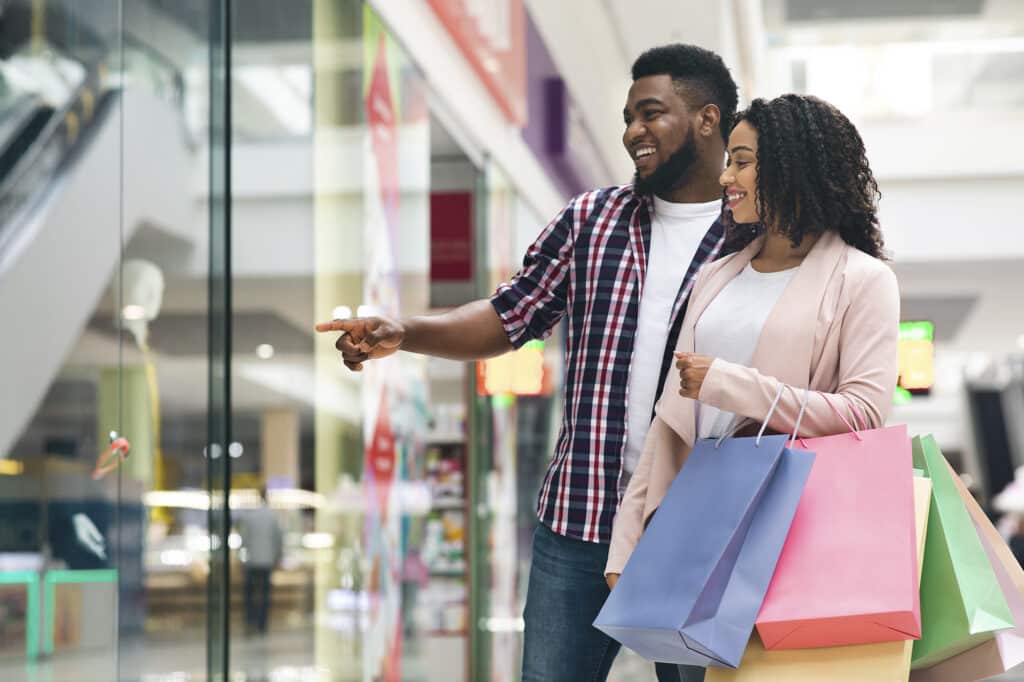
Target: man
(261, 538)
(619, 262)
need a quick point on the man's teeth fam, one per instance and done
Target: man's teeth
(643, 151)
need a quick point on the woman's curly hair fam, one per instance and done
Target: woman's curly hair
(812, 172)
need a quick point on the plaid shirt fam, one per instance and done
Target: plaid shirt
(590, 263)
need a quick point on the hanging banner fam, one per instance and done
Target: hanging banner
(492, 37)
(382, 539)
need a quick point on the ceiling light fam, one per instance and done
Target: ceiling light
(235, 450)
(264, 351)
(133, 312)
(317, 540)
(11, 467)
(342, 312)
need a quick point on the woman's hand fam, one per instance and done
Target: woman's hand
(693, 367)
(611, 579)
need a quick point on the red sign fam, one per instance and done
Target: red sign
(380, 116)
(492, 36)
(380, 456)
(451, 236)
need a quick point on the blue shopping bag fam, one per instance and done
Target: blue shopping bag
(695, 582)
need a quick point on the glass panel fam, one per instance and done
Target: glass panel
(499, 534)
(218, 419)
(173, 177)
(67, 404)
(371, 247)
(104, 253)
(328, 217)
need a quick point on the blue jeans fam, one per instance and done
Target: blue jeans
(566, 590)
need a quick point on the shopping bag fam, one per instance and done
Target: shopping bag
(856, 517)
(1006, 649)
(694, 584)
(881, 662)
(962, 604)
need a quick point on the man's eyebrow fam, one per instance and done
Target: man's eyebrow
(648, 101)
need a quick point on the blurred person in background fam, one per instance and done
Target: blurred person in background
(619, 263)
(262, 540)
(810, 301)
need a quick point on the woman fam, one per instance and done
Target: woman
(809, 304)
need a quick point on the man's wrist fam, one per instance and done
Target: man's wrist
(408, 333)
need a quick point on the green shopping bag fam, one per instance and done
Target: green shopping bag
(962, 604)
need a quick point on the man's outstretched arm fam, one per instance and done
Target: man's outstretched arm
(469, 332)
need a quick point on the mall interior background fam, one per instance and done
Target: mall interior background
(187, 186)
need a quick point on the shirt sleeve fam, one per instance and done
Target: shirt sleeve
(534, 301)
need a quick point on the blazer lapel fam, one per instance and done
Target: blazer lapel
(673, 408)
(720, 275)
(794, 318)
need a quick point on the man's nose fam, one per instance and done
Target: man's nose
(635, 130)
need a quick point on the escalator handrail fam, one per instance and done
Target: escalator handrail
(38, 147)
(94, 86)
(15, 188)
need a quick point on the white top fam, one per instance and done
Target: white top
(730, 328)
(676, 232)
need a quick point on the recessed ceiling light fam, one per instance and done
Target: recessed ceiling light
(235, 450)
(264, 351)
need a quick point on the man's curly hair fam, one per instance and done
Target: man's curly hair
(812, 172)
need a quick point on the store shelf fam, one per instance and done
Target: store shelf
(449, 503)
(446, 439)
(445, 633)
(448, 572)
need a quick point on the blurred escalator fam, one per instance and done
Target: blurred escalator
(85, 160)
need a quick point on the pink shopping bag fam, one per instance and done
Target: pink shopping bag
(848, 570)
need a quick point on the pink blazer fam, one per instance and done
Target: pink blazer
(833, 330)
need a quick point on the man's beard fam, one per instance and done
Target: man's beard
(670, 174)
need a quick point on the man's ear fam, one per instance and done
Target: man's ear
(708, 119)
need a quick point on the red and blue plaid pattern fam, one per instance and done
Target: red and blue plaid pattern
(590, 263)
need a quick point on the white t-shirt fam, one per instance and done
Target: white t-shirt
(730, 328)
(676, 232)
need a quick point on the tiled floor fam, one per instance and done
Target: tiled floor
(280, 657)
(285, 656)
